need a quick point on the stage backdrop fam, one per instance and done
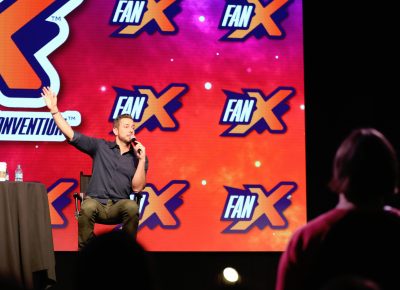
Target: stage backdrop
(216, 90)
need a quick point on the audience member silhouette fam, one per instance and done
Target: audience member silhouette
(360, 237)
(114, 260)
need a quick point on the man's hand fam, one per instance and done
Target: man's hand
(139, 179)
(50, 99)
(140, 150)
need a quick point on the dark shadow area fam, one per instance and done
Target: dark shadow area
(66, 270)
(350, 56)
(186, 270)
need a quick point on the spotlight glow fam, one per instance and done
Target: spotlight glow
(203, 182)
(302, 107)
(202, 18)
(257, 163)
(103, 88)
(208, 86)
(230, 275)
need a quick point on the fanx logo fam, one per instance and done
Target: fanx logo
(244, 18)
(148, 108)
(254, 111)
(30, 31)
(255, 206)
(135, 16)
(158, 206)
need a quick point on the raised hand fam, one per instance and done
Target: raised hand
(50, 99)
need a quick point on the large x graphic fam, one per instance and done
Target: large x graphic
(15, 70)
(157, 107)
(57, 195)
(161, 205)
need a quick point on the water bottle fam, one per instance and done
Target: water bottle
(18, 173)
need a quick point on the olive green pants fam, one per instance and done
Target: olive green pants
(92, 211)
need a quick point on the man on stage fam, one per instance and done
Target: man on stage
(119, 168)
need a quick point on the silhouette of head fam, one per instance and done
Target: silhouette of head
(365, 168)
(114, 260)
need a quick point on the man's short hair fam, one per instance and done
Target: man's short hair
(120, 117)
(365, 167)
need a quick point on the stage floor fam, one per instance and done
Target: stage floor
(194, 270)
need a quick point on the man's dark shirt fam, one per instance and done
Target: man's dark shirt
(112, 172)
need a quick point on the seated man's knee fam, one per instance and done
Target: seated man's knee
(88, 207)
(130, 208)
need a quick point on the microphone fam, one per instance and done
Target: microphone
(134, 141)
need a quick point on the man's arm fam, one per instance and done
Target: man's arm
(50, 99)
(139, 179)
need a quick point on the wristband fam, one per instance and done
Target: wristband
(55, 113)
